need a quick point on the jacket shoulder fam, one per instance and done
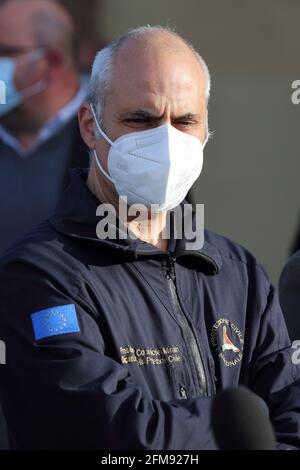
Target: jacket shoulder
(294, 261)
(42, 249)
(233, 252)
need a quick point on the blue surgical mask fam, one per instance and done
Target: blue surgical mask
(11, 96)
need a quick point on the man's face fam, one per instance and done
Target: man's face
(151, 86)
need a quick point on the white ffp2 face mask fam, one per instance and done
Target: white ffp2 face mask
(156, 166)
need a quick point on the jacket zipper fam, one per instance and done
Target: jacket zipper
(189, 336)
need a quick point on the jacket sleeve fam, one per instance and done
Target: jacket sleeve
(275, 373)
(63, 391)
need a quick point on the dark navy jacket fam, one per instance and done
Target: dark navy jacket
(135, 342)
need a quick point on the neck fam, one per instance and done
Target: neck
(150, 227)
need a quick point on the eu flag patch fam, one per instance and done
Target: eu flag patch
(55, 321)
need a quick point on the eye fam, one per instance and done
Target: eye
(139, 122)
(185, 123)
(136, 120)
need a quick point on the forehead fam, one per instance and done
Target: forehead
(16, 26)
(146, 75)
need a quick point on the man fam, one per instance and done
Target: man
(122, 343)
(39, 135)
(289, 293)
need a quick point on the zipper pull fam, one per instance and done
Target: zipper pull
(182, 392)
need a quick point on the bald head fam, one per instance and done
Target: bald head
(156, 56)
(35, 23)
(154, 38)
(145, 49)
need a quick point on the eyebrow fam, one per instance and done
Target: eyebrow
(150, 116)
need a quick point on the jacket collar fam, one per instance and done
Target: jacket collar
(76, 217)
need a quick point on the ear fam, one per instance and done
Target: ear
(55, 57)
(54, 61)
(87, 125)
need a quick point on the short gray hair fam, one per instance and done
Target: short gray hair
(103, 66)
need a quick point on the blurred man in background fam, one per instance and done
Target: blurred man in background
(39, 135)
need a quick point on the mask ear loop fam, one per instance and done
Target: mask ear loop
(94, 151)
(98, 126)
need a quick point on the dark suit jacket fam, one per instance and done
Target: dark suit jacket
(31, 187)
